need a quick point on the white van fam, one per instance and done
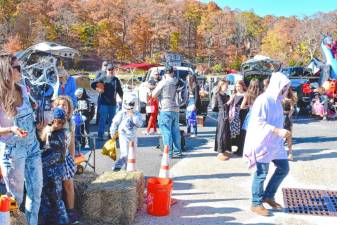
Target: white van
(179, 71)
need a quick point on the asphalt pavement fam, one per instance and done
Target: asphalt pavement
(210, 191)
(148, 155)
(213, 192)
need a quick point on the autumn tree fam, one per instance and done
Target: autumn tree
(13, 44)
(138, 30)
(279, 41)
(7, 18)
(248, 33)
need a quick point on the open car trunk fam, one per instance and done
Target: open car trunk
(260, 67)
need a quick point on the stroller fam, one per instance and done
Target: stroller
(82, 116)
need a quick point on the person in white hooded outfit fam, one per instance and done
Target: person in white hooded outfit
(264, 143)
(126, 121)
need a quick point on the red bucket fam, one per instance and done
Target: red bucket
(159, 196)
(4, 203)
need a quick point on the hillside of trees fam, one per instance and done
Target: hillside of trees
(141, 30)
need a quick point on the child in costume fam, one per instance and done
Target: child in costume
(152, 108)
(52, 209)
(126, 121)
(84, 112)
(191, 116)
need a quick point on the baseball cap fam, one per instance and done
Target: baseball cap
(105, 63)
(59, 113)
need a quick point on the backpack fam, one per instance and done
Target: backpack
(181, 95)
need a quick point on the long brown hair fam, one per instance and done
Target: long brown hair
(8, 88)
(192, 83)
(221, 82)
(253, 91)
(243, 85)
(291, 97)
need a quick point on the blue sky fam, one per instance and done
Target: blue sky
(280, 7)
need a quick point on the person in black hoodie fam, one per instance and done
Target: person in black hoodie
(108, 87)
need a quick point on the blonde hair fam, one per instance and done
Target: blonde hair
(69, 104)
(8, 87)
(62, 72)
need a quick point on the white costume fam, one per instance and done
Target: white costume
(127, 127)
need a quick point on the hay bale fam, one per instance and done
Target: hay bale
(18, 219)
(81, 184)
(112, 198)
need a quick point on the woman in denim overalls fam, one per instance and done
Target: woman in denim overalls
(20, 156)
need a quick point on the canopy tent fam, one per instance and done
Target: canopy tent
(137, 66)
(140, 66)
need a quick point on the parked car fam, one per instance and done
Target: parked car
(303, 82)
(260, 67)
(179, 71)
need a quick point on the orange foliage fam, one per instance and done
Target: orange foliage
(13, 44)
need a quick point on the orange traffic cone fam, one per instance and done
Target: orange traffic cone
(131, 166)
(4, 210)
(164, 167)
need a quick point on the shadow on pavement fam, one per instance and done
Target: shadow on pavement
(212, 176)
(202, 155)
(148, 141)
(301, 140)
(212, 200)
(312, 154)
(306, 120)
(178, 186)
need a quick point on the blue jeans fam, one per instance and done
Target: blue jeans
(169, 127)
(106, 113)
(20, 160)
(281, 171)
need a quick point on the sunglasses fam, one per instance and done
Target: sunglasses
(105, 64)
(18, 68)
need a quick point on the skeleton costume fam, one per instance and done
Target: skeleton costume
(127, 127)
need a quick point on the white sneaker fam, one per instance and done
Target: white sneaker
(145, 132)
(193, 135)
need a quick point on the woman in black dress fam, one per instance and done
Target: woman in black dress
(237, 116)
(222, 136)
